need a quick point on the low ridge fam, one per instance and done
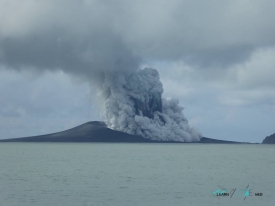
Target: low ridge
(96, 131)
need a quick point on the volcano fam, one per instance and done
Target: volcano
(96, 131)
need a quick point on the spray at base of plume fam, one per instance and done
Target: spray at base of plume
(134, 105)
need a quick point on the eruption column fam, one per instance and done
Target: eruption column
(134, 105)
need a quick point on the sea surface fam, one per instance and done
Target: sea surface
(84, 174)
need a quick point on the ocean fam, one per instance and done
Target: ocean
(87, 174)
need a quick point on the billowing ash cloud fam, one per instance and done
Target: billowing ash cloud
(95, 45)
(134, 104)
(106, 42)
(132, 98)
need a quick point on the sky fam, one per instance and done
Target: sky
(216, 57)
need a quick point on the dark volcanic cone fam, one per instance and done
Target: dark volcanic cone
(88, 132)
(98, 132)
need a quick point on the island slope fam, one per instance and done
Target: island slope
(269, 139)
(96, 131)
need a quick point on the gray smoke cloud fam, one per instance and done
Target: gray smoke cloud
(135, 105)
(56, 34)
(105, 42)
(96, 51)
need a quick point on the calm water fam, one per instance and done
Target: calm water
(69, 174)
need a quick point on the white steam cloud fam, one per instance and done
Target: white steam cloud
(134, 105)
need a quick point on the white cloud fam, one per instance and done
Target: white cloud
(39, 105)
(252, 81)
(258, 71)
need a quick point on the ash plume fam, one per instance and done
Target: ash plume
(134, 105)
(95, 46)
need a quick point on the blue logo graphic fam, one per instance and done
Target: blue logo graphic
(222, 192)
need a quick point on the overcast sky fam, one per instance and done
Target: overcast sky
(216, 57)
